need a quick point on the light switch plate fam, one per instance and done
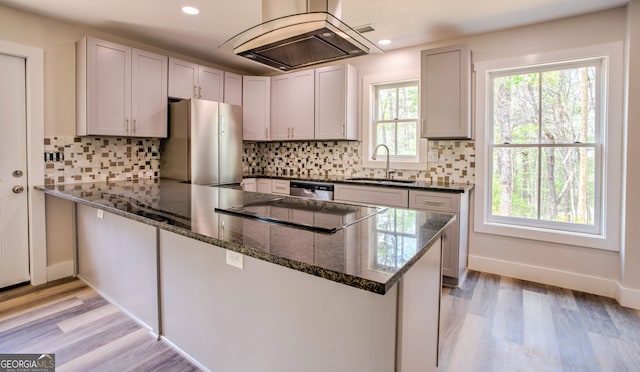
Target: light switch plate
(432, 156)
(235, 259)
(100, 214)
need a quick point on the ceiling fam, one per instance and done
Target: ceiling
(405, 22)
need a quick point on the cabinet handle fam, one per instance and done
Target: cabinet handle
(292, 135)
(134, 126)
(343, 131)
(199, 92)
(432, 203)
(195, 91)
(126, 125)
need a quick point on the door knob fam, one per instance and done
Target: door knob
(17, 173)
(17, 189)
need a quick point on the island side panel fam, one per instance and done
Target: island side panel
(117, 257)
(419, 313)
(267, 317)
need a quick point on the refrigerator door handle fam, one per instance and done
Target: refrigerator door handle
(222, 125)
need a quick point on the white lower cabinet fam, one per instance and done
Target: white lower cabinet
(249, 184)
(263, 185)
(280, 187)
(455, 239)
(386, 196)
(117, 257)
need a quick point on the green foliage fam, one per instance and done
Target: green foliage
(538, 108)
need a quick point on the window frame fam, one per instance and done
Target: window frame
(368, 115)
(606, 232)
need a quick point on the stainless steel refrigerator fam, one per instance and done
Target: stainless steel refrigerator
(204, 146)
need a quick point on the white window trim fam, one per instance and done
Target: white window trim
(367, 114)
(612, 134)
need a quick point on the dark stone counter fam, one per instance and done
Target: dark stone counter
(417, 185)
(371, 253)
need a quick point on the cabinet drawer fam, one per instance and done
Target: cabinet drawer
(280, 187)
(434, 201)
(389, 197)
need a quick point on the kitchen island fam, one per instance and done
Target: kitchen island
(238, 293)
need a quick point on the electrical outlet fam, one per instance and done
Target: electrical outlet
(100, 214)
(432, 156)
(235, 259)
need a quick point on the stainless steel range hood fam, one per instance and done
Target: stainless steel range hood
(296, 34)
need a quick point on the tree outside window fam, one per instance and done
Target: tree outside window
(546, 149)
(395, 121)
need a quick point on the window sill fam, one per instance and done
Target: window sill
(547, 235)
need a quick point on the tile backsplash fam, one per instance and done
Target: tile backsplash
(456, 163)
(90, 159)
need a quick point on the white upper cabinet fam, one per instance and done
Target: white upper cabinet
(336, 101)
(211, 84)
(446, 93)
(256, 108)
(190, 80)
(121, 91)
(292, 106)
(148, 94)
(183, 79)
(232, 88)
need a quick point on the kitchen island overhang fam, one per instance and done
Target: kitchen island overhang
(393, 289)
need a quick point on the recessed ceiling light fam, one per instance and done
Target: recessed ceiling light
(190, 10)
(384, 42)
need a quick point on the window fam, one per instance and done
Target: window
(396, 118)
(390, 114)
(548, 146)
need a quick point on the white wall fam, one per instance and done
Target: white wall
(590, 270)
(631, 250)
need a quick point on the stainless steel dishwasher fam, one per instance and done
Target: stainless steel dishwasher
(313, 190)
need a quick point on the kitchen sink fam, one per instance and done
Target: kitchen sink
(379, 180)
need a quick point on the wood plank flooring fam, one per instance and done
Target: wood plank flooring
(83, 330)
(491, 323)
(495, 323)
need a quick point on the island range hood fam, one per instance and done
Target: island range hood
(296, 34)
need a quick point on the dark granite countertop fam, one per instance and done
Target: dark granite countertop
(417, 185)
(371, 253)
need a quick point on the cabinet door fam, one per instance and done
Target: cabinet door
(256, 108)
(264, 185)
(281, 107)
(335, 102)
(232, 88)
(148, 94)
(108, 88)
(183, 79)
(302, 105)
(249, 184)
(211, 84)
(280, 187)
(446, 92)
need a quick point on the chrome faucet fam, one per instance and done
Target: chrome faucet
(375, 154)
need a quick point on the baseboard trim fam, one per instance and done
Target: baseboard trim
(579, 282)
(628, 297)
(59, 271)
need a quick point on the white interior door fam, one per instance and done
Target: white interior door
(14, 246)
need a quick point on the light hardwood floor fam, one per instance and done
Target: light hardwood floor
(492, 323)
